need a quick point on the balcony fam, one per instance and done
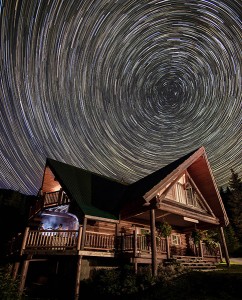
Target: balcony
(48, 200)
(74, 242)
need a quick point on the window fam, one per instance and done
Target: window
(190, 194)
(180, 193)
(175, 239)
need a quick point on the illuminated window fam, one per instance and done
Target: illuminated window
(175, 239)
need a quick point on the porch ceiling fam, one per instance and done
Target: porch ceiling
(173, 219)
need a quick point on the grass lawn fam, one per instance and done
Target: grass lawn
(234, 268)
(223, 284)
(220, 284)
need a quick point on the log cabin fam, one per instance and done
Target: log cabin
(106, 222)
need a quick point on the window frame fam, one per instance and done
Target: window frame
(175, 239)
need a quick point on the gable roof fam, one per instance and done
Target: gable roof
(196, 163)
(95, 194)
(141, 187)
(100, 196)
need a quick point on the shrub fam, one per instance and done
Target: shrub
(124, 282)
(8, 286)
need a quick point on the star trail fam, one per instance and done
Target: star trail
(119, 88)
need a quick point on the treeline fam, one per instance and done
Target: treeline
(232, 199)
(14, 212)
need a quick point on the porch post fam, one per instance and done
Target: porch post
(78, 277)
(135, 251)
(83, 233)
(201, 248)
(23, 275)
(60, 196)
(224, 246)
(24, 240)
(15, 269)
(79, 238)
(153, 242)
(168, 251)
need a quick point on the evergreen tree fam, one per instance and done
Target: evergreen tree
(235, 204)
(231, 240)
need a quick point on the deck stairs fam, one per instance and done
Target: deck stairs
(192, 262)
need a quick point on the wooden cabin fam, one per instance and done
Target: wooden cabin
(105, 222)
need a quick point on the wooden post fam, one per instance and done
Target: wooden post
(168, 251)
(15, 269)
(153, 242)
(226, 254)
(42, 200)
(220, 253)
(83, 233)
(201, 248)
(24, 240)
(117, 244)
(78, 277)
(23, 275)
(60, 196)
(78, 246)
(135, 251)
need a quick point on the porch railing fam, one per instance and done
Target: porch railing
(51, 239)
(94, 241)
(211, 252)
(139, 244)
(99, 241)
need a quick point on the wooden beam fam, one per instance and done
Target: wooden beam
(101, 219)
(185, 213)
(96, 253)
(23, 275)
(135, 250)
(15, 269)
(78, 277)
(153, 242)
(83, 233)
(79, 238)
(26, 232)
(224, 246)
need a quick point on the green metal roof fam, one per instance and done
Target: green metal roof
(100, 196)
(96, 195)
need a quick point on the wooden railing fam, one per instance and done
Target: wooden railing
(139, 244)
(203, 251)
(34, 240)
(51, 239)
(39, 240)
(99, 241)
(55, 198)
(49, 200)
(211, 252)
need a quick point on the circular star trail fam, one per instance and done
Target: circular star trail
(120, 88)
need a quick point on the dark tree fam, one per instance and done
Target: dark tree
(235, 204)
(14, 210)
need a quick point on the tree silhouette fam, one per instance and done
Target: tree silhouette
(235, 203)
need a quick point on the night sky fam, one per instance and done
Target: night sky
(119, 88)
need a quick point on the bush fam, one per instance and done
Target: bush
(8, 286)
(123, 281)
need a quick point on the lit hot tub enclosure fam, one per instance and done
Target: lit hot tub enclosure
(51, 218)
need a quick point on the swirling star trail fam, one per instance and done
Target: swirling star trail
(120, 88)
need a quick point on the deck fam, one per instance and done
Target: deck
(75, 242)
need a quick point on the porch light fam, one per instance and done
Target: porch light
(190, 220)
